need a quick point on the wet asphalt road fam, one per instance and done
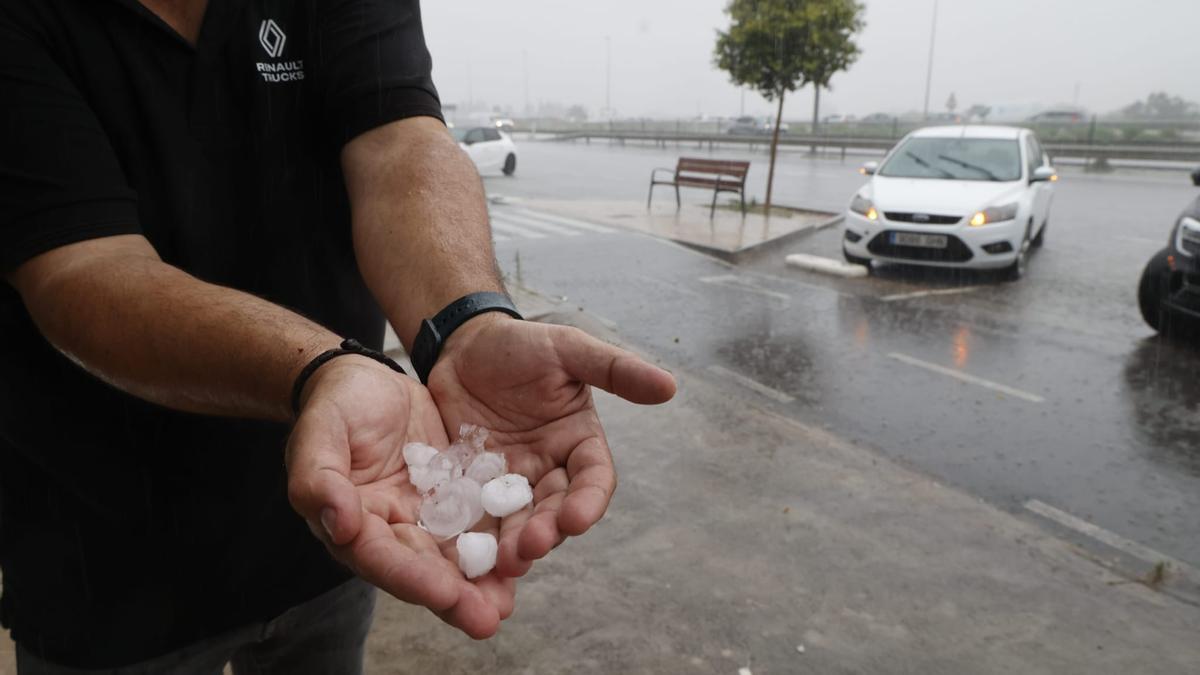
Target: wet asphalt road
(1095, 416)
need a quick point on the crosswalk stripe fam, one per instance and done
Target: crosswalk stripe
(563, 220)
(499, 237)
(516, 230)
(536, 225)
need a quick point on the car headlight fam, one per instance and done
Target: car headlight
(994, 214)
(863, 206)
(1187, 237)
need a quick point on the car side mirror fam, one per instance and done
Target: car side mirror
(869, 168)
(1044, 174)
(1196, 178)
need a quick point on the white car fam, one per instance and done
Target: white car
(491, 149)
(961, 196)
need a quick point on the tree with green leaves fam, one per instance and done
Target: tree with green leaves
(779, 46)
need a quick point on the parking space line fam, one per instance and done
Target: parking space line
(669, 286)
(1112, 539)
(969, 379)
(925, 294)
(583, 225)
(1141, 240)
(516, 230)
(536, 225)
(754, 385)
(736, 282)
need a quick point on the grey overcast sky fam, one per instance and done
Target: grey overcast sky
(999, 52)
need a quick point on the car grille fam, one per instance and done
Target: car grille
(955, 251)
(920, 218)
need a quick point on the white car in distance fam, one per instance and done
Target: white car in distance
(491, 149)
(961, 196)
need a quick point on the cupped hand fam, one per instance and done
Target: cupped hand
(347, 478)
(530, 385)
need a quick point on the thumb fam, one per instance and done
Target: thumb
(613, 369)
(319, 487)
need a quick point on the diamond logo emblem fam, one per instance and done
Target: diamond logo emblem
(272, 38)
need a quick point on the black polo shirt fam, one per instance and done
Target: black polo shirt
(128, 530)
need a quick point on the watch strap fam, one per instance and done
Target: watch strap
(434, 332)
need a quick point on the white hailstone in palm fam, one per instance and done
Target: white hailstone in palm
(418, 454)
(440, 469)
(506, 495)
(486, 466)
(453, 507)
(476, 553)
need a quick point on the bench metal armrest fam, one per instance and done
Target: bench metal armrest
(654, 173)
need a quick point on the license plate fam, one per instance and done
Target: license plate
(919, 240)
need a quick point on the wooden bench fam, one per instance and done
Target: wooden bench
(717, 175)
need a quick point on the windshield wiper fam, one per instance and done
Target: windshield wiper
(968, 165)
(927, 165)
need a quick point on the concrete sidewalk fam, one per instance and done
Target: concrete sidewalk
(738, 538)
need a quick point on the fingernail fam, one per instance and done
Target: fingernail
(328, 520)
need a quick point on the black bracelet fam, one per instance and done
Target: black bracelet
(348, 347)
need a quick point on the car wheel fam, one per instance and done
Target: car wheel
(1041, 235)
(510, 164)
(855, 260)
(1016, 270)
(1153, 288)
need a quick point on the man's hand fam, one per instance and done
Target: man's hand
(347, 477)
(530, 385)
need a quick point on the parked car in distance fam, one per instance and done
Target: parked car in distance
(504, 124)
(1169, 291)
(490, 149)
(878, 118)
(754, 126)
(1057, 117)
(962, 196)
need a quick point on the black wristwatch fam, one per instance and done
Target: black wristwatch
(435, 331)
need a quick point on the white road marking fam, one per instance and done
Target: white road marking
(733, 281)
(1143, 553)
(590, 227)
(1142, 240)
(924, 294)
(759, 387)
(499, 237)
(969, 379)
(535, 225)
(515, 230)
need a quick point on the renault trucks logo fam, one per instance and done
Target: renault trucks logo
(272, 38)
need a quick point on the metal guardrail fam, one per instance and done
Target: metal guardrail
(1158, 152)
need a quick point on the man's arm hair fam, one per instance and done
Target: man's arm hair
(112, 305)
(421, 232)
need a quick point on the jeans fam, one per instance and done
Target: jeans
(325, 636)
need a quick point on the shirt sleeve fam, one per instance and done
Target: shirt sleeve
(60, 180)
(372, 66)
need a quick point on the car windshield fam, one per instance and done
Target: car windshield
(459, 133)
(956, 159)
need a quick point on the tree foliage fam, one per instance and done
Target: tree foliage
(1163, 106)
(778, 46)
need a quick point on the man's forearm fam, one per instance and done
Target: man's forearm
(421, 230)
(164, 336)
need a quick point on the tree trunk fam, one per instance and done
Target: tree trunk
(816, 114)
(774, 149)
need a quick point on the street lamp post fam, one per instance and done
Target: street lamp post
(929, 71)
(608, 75)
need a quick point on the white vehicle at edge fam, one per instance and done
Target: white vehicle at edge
(491, 149)
(961, 196)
